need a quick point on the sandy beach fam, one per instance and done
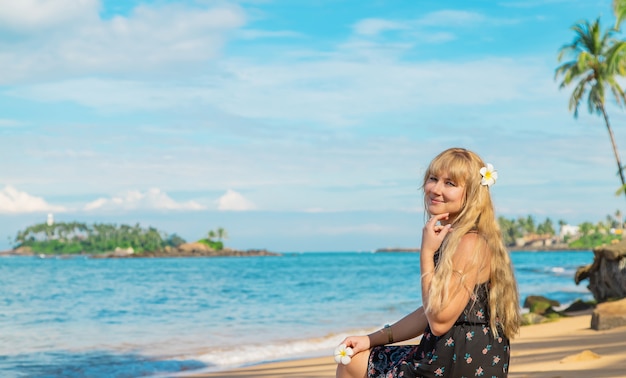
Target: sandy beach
(567, 348)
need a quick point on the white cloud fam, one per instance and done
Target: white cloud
(144, 43)
(250, 34)
(375, 26)
(452, 18)
(340, 91)
(13, 201)
(234, 201)
(439, 19)
(35, 15)
(153, 199)
(359, 78)
(343, 91)
(9, 123)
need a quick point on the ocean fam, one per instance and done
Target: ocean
(164, 317)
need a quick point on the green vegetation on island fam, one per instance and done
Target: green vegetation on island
(112, 240)
(76, 238)
(218, 244)
(524, 232)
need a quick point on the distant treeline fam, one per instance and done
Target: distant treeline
(75, 237)
(513, 229)
(589, 235)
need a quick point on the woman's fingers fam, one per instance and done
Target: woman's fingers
(434, 232)
(439, 217)
(444, 231)
(357, 343)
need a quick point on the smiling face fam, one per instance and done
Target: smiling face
(442, 194)
(452, 184)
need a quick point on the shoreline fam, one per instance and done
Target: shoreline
(226, 252)
(567, 347)
(510, 249)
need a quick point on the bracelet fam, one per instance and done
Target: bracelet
(389, 333)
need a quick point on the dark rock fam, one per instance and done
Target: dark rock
(607, 273)
(579, 306)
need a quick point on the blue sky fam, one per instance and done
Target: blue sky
(295, 125)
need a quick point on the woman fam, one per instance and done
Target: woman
(469, 294)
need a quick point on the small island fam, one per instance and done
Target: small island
(397, 249)
(102, 240)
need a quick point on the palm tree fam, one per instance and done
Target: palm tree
(585, 228)
(597, 60)
(221, 234)
(528, 224)
(619, 9)
(211, 234)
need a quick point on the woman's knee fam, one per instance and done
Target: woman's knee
(357, 368)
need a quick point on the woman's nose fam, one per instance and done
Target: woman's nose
(437, 187)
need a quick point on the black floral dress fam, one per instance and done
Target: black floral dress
(468, 349)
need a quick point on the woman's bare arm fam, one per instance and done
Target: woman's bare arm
(466, 275)
(404, 329)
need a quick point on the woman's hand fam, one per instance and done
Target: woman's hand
(433, 233)
(357, 343)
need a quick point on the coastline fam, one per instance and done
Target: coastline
(557, 248)
(194, 251)
(226, 252)
(567, 347)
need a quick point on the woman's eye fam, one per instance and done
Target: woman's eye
(432, 178)
(450, 183)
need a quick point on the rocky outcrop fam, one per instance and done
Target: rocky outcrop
(531, 318)
(579, 307)
(20, 251)
(193, 250)
(607, 273)
(184, 250)
(539, 304)
(609, 315)
(386, 250)
(540, 310)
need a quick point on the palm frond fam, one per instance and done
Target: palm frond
(617, 91)
(596, 58)
(619, 9)
(577, 94)
(616, 58)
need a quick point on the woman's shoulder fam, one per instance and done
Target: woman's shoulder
(471, 238)
(472, 243)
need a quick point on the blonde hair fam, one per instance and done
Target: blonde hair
(477, 215)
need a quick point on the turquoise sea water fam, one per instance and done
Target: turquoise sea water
(83, 317)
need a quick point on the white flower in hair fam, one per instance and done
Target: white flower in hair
(343, 354)
(489, 174)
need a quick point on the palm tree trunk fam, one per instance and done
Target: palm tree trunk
(617, 159)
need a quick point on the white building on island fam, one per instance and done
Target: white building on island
(569, 230)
